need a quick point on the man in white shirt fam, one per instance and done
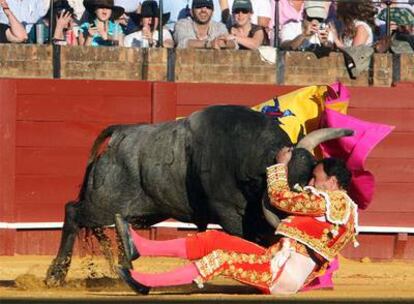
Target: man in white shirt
(201, 31)
(312, 31)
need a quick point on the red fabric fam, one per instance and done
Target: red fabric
(204, 243)
(255, 267)
(314, 228)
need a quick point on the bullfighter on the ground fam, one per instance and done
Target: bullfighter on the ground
(323, 219)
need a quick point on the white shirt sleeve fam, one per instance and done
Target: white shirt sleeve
(290, 31)
(262, 8)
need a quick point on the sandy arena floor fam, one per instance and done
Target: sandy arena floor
(22, 276)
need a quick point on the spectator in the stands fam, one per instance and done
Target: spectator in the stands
(14, 31)
(200, 31)
(289, 10)
(181, 9)
(312, 32)
(28, 12)
(358, 21)
(64, 26)
(261, 12)
(101, 30)
(248, 36)
(402, 17)
(148, 35)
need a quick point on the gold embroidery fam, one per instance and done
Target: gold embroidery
(215, 263)
(339, 208)
(320, 245)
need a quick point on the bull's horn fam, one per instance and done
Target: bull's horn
(310, 141)
(270, 217)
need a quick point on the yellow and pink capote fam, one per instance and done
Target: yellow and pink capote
(322, 106)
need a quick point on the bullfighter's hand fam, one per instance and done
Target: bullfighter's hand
(284, 155)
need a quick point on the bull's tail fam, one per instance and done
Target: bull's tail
(94, 154)
(96, 148)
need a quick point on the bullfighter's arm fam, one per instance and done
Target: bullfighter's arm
(281, 197)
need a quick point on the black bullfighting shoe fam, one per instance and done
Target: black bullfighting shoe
(122, 229)
(125, 275)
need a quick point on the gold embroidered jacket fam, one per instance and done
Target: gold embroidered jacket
(323, 221)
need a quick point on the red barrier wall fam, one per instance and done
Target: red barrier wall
(51, 124)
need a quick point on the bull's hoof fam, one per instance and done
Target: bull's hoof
(56, 274)
(53, 282)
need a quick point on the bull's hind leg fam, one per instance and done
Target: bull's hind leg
(57, 271)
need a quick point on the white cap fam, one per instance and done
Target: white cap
(316, 9)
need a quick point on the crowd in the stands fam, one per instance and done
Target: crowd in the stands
(210, 24)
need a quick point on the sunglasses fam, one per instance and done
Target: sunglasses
(241, 10)
(320, 20)
(203, 6)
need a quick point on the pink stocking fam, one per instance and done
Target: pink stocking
(180, 276)
(169, 248)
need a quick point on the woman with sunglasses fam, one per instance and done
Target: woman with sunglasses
(248, 36)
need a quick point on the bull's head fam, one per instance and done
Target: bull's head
(302, 164)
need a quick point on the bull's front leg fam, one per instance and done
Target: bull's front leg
(57, 271)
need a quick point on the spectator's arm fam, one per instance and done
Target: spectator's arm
(228, 43)
(86, 37)
(361, 36)
(222, 41)
(291, 35)
(197, 44)
(295, 43)
(63, 21)
(263, 21)
(16, 33)
(224, 4)
(225, 10)
(263, 11)
(252, 43)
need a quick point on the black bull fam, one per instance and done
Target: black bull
(207, 168)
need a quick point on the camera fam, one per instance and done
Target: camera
(322, 26)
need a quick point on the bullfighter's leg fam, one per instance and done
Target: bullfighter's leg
(283, 271)
(218, 262)
(192, 247)
(57, 271)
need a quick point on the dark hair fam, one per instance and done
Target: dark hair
(348, 11)
(337, 167)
